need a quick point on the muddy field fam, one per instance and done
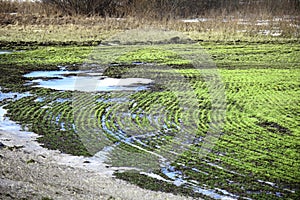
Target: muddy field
(206, 128)
(93, 107)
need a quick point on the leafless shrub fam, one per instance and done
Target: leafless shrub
(8, 6)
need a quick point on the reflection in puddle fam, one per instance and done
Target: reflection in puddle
(7, 124)
(62, 100)
(84, 81)
(12, 95)
(5, 51)
(179, 179)
(2, 113)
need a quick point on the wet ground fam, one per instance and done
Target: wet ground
(88, 81)
(115, 95)
(5, 51)
(157, 123)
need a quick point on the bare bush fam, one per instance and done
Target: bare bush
(85, 7)
(8, 6)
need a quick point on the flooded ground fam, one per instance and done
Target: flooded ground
(63, 81)
(117, 127)
(267, 27)
(84, 81)
(16, 135)
(5, 51)
(154, 125)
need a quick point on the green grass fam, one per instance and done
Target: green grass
(153, 55)
(253, 55)
(225, 55)
(47, 56)
(260, 136)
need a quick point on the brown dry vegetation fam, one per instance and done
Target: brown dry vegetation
(45, 22)
(158, 9)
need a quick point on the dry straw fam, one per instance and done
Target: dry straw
(223, 23)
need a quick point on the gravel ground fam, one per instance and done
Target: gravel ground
(29, 171)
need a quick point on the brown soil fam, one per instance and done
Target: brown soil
(28, 171)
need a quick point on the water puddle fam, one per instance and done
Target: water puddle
(5, 51)
(84, 81)
(12, 95)
(6, 124)
(179, 179)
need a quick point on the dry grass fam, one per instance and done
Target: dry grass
(81, 29)
(40, 23)
(27, 7)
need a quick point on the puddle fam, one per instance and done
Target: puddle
(7, 124)
(49, 74)
(5, 51)
(12, 95)
(62, 100)
(84, 81)
(179, 180)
